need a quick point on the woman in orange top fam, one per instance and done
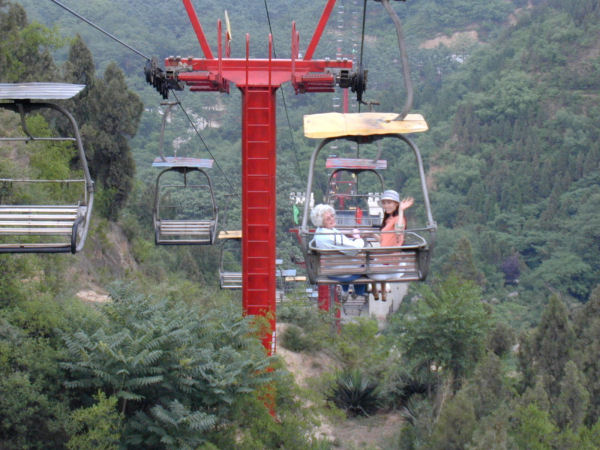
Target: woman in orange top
(393, 220)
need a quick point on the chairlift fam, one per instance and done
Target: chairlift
(346, 195)
(408, 262)
(186, 223)
(229, 279)
(60, 226)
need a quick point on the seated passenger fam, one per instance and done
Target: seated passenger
(392, 227)
(329, 237)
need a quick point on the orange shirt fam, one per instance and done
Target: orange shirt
(391, 239)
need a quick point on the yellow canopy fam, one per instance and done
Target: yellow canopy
(361, 124)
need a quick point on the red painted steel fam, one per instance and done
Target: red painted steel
(319, 30)
(258, 205)
(198, 29)
(325, 296)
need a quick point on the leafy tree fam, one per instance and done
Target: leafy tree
(582, 438)
(114, 116)
(463, 263)
(80, 68)
(25, 49)
(501, 338)
(444, 331)
(176, 374)
(533, 428)
(29, 418)
(455, 425)
(492, 431)
(487, 388)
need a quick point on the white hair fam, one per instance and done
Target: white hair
(316, 215)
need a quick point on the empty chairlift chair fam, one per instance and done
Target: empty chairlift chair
(347, 196)
(409, 262)
(229, 279)
(44, 215)
(185, 213)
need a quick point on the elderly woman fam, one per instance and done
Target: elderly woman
(392, 228)
(328, 237)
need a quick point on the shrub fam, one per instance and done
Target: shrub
(296, 340)
(355, 393)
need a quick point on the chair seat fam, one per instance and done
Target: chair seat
(42, 224)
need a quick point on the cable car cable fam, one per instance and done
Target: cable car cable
(204, 143)
(287, 116)
(79, 16)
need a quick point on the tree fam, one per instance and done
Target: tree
(487, 388)
(114, 114)
(587, 351)
(79, 67)
(463, 263)
(445, 330)
(455, 426)
(25, 49)
(549, 347)
(97, 426)
(571, 406)
(177, 375)
(533, 428)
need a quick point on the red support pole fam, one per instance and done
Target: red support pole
(259, 162)
(338, 311)
(324, 297)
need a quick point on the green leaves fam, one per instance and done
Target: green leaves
(445, 329)
(168, 365)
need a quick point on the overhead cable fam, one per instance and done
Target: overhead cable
(79, 16)
(202, 140)
(287, 116)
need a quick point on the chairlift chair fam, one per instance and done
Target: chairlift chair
(229, 279)
(409, 262)
(59, 227)
(353, 216)
(183, 227)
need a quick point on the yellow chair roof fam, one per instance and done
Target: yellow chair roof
(330, 125)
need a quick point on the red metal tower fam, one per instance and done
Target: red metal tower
(258, 80)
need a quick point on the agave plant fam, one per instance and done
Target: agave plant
(356, 393)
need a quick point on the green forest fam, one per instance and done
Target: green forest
(498, 349)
